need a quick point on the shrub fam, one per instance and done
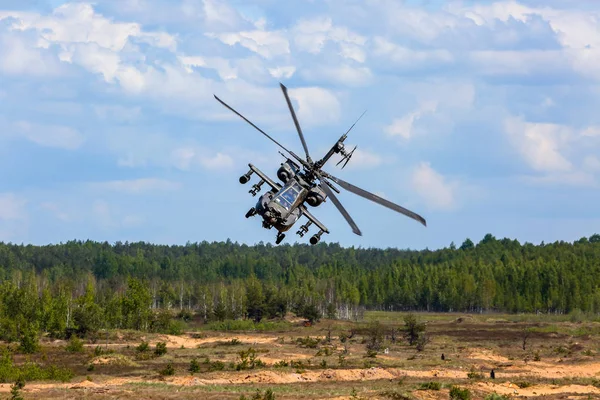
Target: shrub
(431, 386)
(496, 396)
(168, 370)
(457, 393)
(75, 345)
(194, 366)
(161, 349)
(143, 347)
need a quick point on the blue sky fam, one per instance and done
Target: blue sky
(481, 116)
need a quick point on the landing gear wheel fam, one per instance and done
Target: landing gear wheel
(251, 212)
(280, 237)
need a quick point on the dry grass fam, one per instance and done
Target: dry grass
(560, 359)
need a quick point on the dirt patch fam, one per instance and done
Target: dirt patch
(114, 359)
(189, 342)
(536, 390)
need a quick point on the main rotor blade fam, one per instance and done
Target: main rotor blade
(340, 208)
(289, 103)
(370, 196)
(261, 131)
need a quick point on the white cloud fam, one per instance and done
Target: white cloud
(404, 127)
(137, 186)
(285, 72)
(219, 64)
(12, 207)
(268, 44)
(405, 57)
(108, 218)
(343, 74)
(433, 188)
(79, 23)
(62, 137)
(218, 161)
(364, 159)
(315, 106)
(20, 57)
(540, 144)
(311, 35)
(185, 158)
(591, 131)
(56, 211)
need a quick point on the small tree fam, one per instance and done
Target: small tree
(413, 329)
(375, 335)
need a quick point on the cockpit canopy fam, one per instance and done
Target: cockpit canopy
(288, 195)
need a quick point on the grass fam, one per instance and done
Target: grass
(287, 349)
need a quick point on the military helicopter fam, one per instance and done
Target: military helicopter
(303, 182)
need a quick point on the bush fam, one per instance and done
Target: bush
(30, 371)
(248, 360)
(143, 347)
(268, 395)
(75, 345)
(29, 340)
(194, 366)
(496, 396)
(413, 329)
(457, 393)
(168, 370)
(431, 386)
(161, 349)
(247, 325)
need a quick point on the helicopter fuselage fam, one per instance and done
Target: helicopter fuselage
(280, 210)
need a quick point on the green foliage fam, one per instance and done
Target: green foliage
(496, 396)
(167, 370)
(413, 330)
(308, 342)
(457, 393)
(75, 345)
(30, 371)
(237, 285)
(247, 325)
(143, 347)
(248, 360)
(161, 349)
(431, 386)
(258, 395)
(29, 339)
(375, 336)
(15, 389)
(194, 366)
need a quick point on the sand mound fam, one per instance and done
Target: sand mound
(354, 374)
(114, 359)
(85, 385)
(536, 390)
(189, 342)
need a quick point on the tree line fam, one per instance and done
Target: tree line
(82, 285)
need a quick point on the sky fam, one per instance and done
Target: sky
(481, 117)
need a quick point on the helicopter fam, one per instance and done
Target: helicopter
(303, 182)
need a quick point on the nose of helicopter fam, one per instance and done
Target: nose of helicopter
(269, 216)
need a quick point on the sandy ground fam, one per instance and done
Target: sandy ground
(507, 372)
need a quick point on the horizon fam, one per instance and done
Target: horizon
(481, 117)
(297, 243)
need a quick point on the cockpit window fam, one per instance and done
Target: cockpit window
(288, 196)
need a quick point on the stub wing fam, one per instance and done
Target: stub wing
(312, 218)
(265, 178)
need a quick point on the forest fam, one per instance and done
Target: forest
(85, 286)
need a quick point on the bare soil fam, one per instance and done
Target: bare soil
(560, 361)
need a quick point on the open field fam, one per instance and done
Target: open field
(558, 360)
